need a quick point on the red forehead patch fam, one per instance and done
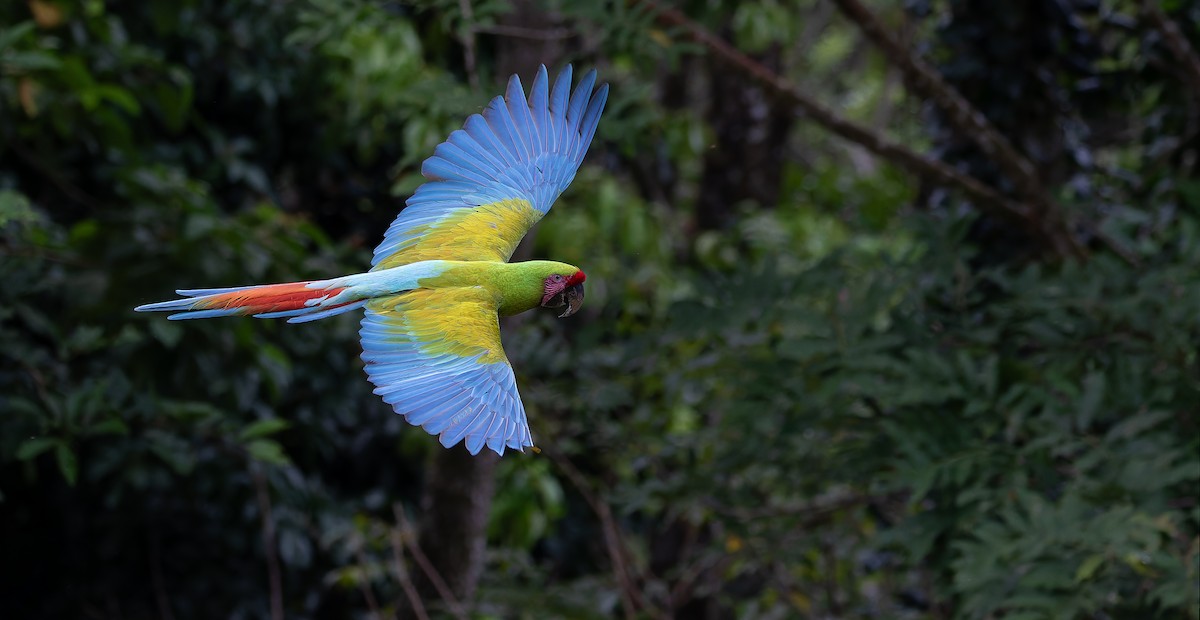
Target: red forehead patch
(577, 278)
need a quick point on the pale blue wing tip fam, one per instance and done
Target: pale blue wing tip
(601, 95)
(564, 76)
(589, 80)
(476, 443)
(475, 446)
(515, 88)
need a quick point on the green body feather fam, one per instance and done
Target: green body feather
(517, 287)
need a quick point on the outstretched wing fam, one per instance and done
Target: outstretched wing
(435, 356)
(492, 180)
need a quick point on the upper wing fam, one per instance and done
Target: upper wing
(492, 180)
(435, 356)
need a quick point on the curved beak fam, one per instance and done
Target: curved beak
(573, 298)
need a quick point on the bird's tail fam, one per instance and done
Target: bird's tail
(296, 301)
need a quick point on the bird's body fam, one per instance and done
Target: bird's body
(441, 277)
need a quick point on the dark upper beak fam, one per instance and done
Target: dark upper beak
(573, 297)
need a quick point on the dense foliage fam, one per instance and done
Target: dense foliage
(807, 383)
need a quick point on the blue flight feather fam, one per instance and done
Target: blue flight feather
(539, 106)
(518, 148)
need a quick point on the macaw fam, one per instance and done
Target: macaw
(441, 279)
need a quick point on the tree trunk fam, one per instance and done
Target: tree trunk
(453, 522)
(751, 128)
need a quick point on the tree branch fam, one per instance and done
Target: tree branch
(407, 535)
(406, 583)
(1173, 37)
(902, 156)
(926, 82)
(631, 597)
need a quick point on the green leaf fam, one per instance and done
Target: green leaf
(111, 426)
(84, 230)
(67, 463)
(15, 207)
(120, 97)
(177, 107)
(30, 448)
(173, 450)
(10, 35)
(262, 428)
(23, 62)
(83, 339)
(267, 451)
(166, 332)
(1089, 567)
(191, 411)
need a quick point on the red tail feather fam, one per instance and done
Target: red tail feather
(268, 298)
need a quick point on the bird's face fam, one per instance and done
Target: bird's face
(563, 290)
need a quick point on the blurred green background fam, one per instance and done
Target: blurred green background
(812, 380)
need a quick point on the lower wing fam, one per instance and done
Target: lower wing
(435, 356)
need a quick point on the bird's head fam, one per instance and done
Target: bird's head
(563, 289)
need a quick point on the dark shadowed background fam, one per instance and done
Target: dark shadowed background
(893, 312)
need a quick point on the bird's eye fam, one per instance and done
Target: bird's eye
(557, 278)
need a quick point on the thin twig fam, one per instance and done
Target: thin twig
(39, 384)
(364, 584)
(274, 578)
(55, 178)
(519, 32)
(685, 585)
(435, 578)
(631, 597)
(1188, 59)
(467, 38)
(1113, 244)
(406, 583)
(782, 578)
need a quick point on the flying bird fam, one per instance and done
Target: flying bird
(441, 279)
